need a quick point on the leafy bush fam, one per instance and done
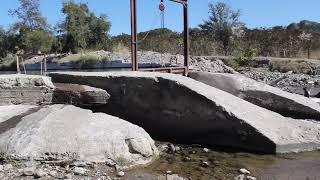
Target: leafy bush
(8, 63)
(243, 58)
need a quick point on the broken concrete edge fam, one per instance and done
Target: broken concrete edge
(25, 81)
(271, 126)
(296, 106)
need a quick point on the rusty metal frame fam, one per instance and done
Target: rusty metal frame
(134, 40)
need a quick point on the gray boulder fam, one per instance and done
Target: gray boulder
(274, 99)
(25, 89)
(180, 109)
(67, 132)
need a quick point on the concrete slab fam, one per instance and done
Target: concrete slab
(274, 99)
(25, 89)
(180, 109)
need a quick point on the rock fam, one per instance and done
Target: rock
(53, 173)
(244, 171)
(172, 148)
(7, 167)
(178, 148)
(240, 177)
(68, 176)
(40, 173)
(120, 174)
(206, 150)
(274, 99)
(184, 102)
(25, 89)
(79, 171)
(174, 177)
(83, 136)
(187, 159)
(168, 172)
(81, 95)
(215, 65)
(251, 178)
(29, 171)
(205, 164)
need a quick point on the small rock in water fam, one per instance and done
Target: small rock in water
(29, 171)
(251, 178)
(244, 171)
(240, 177)
(7, 167)
(169, 172)
(178, 148)
(206, 150)
(79, 171)
(120, 174)
(40, 173)
(1, 167)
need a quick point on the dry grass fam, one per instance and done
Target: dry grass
(120, 48)
(284, 66)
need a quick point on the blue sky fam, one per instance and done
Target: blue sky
(255, 13)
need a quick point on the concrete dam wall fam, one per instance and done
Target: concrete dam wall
(176, 108)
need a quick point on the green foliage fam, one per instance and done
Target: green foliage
(81, 28)
(38, 40)
(8, 62)
(243, 58)
(221, 22)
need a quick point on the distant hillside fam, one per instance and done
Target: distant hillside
(305, 25)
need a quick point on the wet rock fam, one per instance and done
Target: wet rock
(29, 171)
(120, 174)
(1, 168)
(172, 148)
(187, 159)
(79, 171)
(244, 171)
(174, 177)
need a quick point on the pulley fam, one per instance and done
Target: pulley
(162, 7)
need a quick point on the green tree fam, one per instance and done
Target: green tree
(3, 38)
(33, 30)
(221, 21)
(81, 28)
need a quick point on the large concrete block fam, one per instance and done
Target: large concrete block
(176, 108)
(25, 89)
(274, 99)
(65, 132)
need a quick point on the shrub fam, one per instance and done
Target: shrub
(243, 58)
(120, 48)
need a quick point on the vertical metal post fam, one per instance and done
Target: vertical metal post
(134, 36)
(186, 35)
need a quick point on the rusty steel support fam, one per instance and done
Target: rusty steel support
(186, 36)
(134, 35)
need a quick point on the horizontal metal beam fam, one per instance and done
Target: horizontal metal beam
(180, 1)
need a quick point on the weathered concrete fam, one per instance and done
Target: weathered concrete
(25, 89)
(67, 132)
(8, 112)
(80, 95)
(180, 109)
(274, 99)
